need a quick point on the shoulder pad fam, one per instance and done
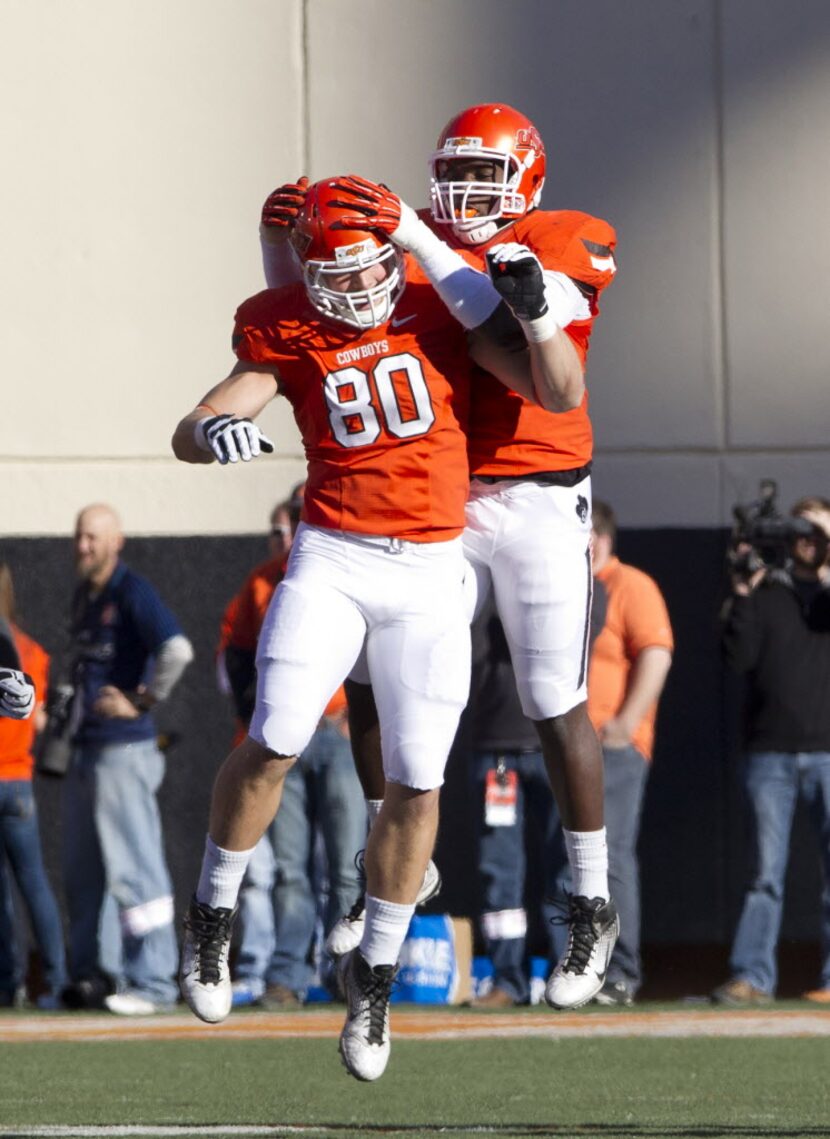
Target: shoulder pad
(574, 243)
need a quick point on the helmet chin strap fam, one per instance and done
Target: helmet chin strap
(475, 235)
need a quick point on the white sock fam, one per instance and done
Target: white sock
(222, 874)
(386, 926)
(373, 807)
(588, 856)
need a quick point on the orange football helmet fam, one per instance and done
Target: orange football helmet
(496, 133)
(338, 263)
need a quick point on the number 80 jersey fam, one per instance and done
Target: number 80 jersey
(382, 413)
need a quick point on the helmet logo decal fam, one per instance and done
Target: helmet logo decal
(355, 254)
(463, 143)
(528, 137)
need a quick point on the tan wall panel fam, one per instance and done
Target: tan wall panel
(145, 137)
(660, 490)
(777, 248)
(797, 475)
(152, 496)
(624, 95)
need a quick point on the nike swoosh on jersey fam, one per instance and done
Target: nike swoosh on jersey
(397, 321)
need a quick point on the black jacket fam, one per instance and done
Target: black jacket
(779, 637)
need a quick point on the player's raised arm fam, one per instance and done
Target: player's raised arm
(543, 303)
(279, 215)
(221, 426)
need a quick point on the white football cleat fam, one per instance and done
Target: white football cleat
(364, 1041)
(204, 976)
(347, 933)
(130, 1004)
(580, 973)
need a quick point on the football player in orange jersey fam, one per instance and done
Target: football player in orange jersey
(529, 514)
(376, 370)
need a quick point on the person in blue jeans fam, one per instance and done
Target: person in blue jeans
(630, 661)
(322, 795)
(516, 812)
(288, 890)
(20, 840)
(128, 653)
(21, 858)
(776, 632)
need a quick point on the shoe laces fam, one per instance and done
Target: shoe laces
(211, 931)
(356, 912)
(583, 935)
(375, 989)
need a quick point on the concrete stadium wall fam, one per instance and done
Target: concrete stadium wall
(145, 137)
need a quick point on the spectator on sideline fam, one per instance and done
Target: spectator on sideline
(17, 692)
(20, 849)
(629, 664)
(128, 654)
(516, 808)
(256, 901)
(277, 902)
(259, 587)
(776, 631)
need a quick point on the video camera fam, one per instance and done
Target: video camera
(54, 747)
(767, 532)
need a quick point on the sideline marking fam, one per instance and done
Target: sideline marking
(417, 1025)
(83, 1131)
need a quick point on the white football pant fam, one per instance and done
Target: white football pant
(532, 544)
(405, 599)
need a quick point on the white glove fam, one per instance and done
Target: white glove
(17, 694)
(230, 439)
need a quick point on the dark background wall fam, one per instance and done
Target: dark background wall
(692, 847)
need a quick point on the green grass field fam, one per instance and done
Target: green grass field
(695, 1088)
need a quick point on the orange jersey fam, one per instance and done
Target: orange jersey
(509, 435)
(636, 619)
(17, 737)
(246, 612)
(382, 413)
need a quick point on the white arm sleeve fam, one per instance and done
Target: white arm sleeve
(467, 292)
(565, 302)
(172, 659)
(279, 263)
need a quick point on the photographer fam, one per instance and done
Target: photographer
(776, 630)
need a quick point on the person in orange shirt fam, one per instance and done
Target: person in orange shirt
(629, 663)
(19, 833)
(17, 691)
(245, 612)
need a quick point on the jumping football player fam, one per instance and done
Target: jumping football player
(529, 513)
(377, 373)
